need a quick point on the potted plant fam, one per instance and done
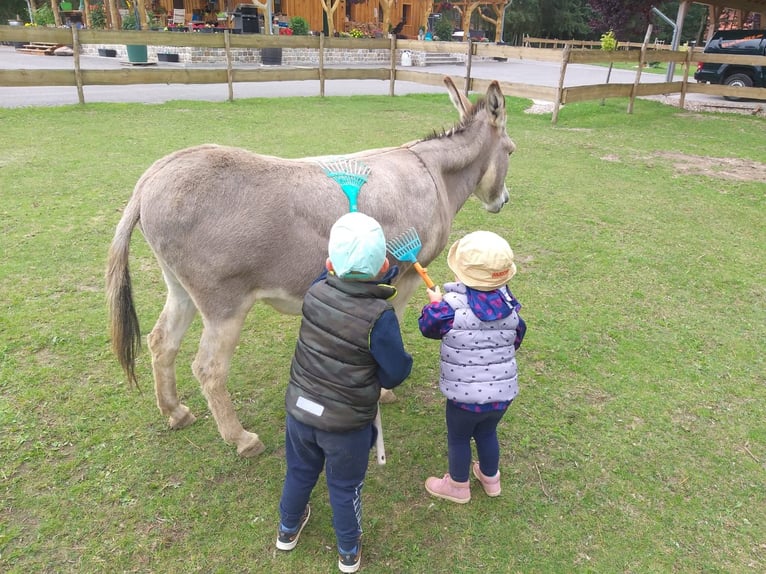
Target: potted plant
(137, 53)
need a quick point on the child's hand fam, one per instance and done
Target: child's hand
(434, 295)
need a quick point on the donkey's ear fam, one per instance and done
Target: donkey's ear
(496, 105)
(459, 100)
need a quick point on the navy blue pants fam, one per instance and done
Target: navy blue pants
(462, 426)
(344, 457)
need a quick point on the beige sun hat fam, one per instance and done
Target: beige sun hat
(482, 260)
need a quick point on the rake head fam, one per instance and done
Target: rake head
(406, 246)
(350, 174)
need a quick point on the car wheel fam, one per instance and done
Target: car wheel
(738, 81)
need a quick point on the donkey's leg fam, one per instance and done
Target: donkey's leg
(211, 367)
(164, 342)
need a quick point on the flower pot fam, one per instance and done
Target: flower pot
(137, 54)
(271, 56)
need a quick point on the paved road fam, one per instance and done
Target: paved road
(515, 71)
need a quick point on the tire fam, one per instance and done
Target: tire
(738, 81)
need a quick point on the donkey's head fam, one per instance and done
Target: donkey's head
(498, 146)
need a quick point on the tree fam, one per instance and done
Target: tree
(494, 15)
(564, 18)
(466, 8)
(628, 18)
(11, 9)
(547, 18)
(329, 7)
(113, 15)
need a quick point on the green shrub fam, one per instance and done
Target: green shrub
(98, 17)
(129, 22)
(608, 41)
(444, 28)
(299, 26)
(44, 16)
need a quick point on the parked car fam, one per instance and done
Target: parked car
(734, 42)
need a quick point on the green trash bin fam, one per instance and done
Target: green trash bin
(137, 54)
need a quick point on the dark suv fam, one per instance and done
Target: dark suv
(734, 42)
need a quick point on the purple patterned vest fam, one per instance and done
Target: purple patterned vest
(478, 360)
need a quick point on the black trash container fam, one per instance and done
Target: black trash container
(16, 44)
(246, 19)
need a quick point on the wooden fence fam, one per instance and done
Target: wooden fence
(588, 44)
(229, 74)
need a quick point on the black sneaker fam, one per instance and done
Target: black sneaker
(350, 561)
(288, 540)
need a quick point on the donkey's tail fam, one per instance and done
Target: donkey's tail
(124, 329)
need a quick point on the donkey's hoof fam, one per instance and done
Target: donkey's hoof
(387, 396)
(182, 417)
(251, 446)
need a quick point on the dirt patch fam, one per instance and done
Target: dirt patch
(540, 107)
(690, 105)
(719, 167)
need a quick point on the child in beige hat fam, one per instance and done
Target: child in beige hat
(478, 323)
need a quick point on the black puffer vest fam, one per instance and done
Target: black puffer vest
(333, 382)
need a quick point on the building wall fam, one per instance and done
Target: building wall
(363, 15)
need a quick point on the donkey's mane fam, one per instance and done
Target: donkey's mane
(460, 126)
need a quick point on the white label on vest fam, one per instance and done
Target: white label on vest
(309, 406)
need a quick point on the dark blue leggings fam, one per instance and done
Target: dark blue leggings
(462, 426)
(344, 458)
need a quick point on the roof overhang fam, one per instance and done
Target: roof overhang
(746, 5)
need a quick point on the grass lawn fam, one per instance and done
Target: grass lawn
(637, 443)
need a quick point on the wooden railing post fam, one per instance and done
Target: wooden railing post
(685, 81)
(321, 65)
(77, 70)
(392, 76)
(641, 59)
(560, 89)
(229, 72)
(469, 58)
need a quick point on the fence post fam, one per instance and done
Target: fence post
(685, 81)
(468, 66)
(641, 58)
(321, 65)
(392, 75)
(77, 70)
(560, 89)
(229, 73)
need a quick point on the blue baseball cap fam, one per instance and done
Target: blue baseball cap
(357, 247)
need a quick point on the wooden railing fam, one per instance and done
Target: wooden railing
(555, 43)
(229, 74)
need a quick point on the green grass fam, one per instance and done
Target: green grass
(637, 444)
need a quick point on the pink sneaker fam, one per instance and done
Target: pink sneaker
(490, 484)
(448, 489)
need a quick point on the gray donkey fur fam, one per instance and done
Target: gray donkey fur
(229, 227)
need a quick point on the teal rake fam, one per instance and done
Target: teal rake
(350, 174)
(406, 247)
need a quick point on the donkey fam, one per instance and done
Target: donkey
(229, 227)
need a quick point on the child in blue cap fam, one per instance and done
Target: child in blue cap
(349, 346)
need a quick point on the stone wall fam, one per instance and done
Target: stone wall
(290, 56)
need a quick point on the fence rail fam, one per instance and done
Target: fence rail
(570, 54)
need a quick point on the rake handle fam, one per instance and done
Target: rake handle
(380, 448)
(424, 275)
